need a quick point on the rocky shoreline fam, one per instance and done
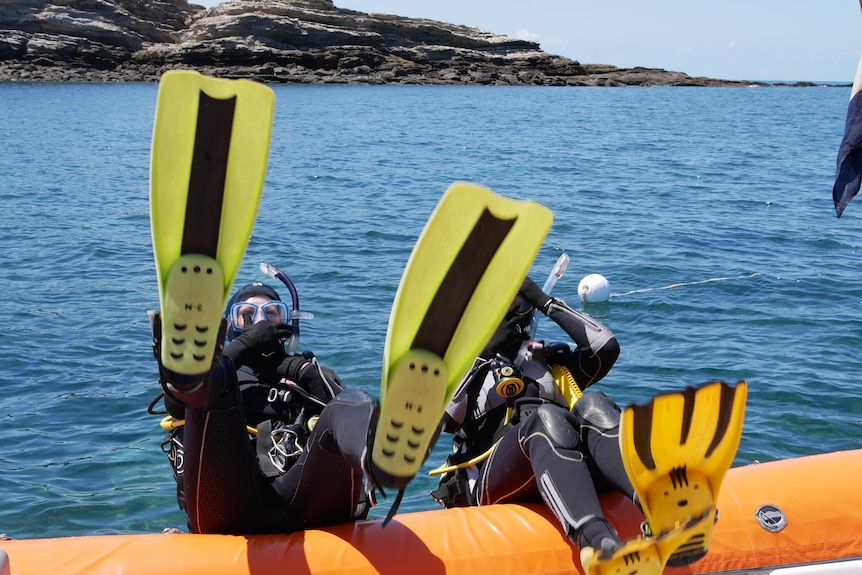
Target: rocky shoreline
(281, 41)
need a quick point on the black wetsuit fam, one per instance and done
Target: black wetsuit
(234, 482)
(547, 452)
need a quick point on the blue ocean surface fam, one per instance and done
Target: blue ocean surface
(708, 210)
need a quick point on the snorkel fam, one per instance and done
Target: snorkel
(295, 314)
(556, 273)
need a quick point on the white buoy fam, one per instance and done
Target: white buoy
(594, 288)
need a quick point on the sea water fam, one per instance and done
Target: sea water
(708, 210)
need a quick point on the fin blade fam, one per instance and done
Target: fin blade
(713, 413)
(235, 174)
(209, 154)
(694, 427)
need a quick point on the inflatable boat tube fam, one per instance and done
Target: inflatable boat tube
(791, 517)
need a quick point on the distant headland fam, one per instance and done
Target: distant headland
(282, 41)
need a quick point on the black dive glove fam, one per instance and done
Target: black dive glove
(510, 334)
(512, 331)
(291, 367)
(534, 295)
(303, 370)
(260, 342)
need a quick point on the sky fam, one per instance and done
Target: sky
(768, 40)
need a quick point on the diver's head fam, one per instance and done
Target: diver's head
(251, 304)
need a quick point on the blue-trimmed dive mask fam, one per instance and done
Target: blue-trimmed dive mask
(244, 314)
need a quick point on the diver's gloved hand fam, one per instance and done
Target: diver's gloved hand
(512, 331)
(303, 371)
(291, 367)
(510, 334)
(534, 295)
(261, 341)
(556, 353)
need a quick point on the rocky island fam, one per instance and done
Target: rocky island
(280, 41)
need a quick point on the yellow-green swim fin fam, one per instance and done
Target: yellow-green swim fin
(460, 279)
(209, 155)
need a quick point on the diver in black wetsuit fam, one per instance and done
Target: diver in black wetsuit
(543, 450)
(272, 441)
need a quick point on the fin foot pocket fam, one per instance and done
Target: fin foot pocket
(675, 497)
(634, 557)
(193, 297)
(410, 410)
(645, 555)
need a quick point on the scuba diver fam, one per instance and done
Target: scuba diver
(523, 429)
(269, 441)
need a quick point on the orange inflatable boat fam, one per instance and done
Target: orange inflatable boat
(792, 517)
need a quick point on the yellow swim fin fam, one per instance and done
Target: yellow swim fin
(460, 279)
(209, 154)
(676, 450)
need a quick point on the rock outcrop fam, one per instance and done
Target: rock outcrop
(280, 41)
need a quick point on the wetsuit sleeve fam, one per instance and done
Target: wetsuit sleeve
(217, 389)
(236, 351)
(596, 347)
